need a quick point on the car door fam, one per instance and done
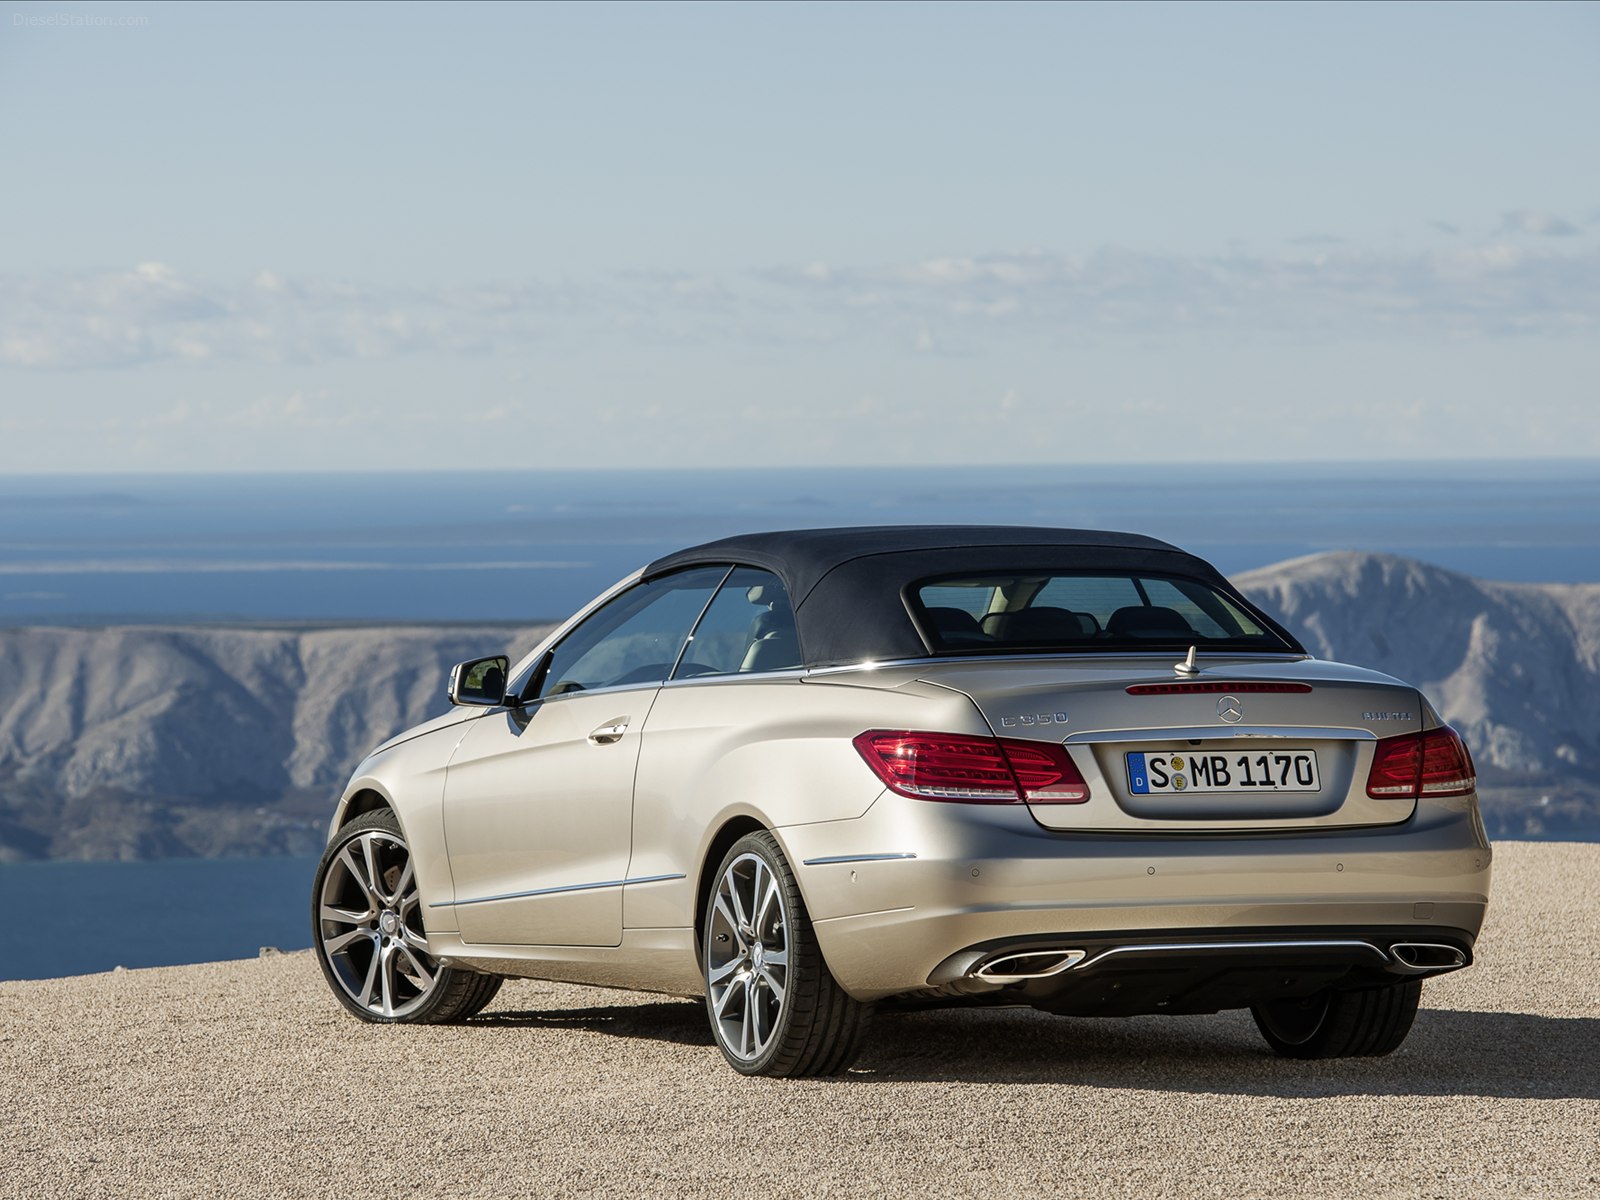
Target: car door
(538, 800)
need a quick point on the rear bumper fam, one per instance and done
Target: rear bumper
(1179, 971)
(899, 891)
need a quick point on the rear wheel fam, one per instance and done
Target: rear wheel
(775, 1008)
(366, 924)
(1333, 1024)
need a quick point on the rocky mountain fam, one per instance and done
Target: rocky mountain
(148, 742)
(142, 742)
(1514, 666)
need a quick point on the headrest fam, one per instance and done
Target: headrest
(952, 620)
(768, 595)
(1151, 620)
(1040, 625)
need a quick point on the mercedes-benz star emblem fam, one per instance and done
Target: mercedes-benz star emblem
(1230, 710)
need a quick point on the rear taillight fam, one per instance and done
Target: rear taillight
(1045, 772)
(972, 770)
(1435, 763)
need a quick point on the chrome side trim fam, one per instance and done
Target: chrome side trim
(848, 858)
(877, 912)
(1225, 947)
(571, 887)
(1329, 733)
(736, 677)
(650, 686)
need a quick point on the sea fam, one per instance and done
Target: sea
(528, 546)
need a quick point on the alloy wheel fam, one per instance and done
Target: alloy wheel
(370, 926)
(747, 957)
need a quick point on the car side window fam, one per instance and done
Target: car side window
(748, 627)
(636, 638)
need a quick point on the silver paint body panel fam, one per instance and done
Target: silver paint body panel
(565, 858)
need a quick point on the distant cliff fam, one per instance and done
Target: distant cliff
(1514, 666)
(141, 742)
(146, 742)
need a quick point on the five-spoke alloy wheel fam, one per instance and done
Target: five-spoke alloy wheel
(774, 1007)
(366, 919)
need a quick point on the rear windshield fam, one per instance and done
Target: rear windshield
(1093, 611)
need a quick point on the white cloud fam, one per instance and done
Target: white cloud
(154, 313)
(1487, 289)
(1319, 290)
(1540, 224)
(193, 566)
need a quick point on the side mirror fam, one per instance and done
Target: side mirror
(479, 681)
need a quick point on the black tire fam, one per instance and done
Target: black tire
(814, 1027)
(405, 985)
(1367, 1023)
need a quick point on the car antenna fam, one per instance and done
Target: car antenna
(1188, 665)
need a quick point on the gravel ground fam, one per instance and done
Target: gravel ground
(247, 1079)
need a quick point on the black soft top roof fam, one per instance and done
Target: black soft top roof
(848, 585)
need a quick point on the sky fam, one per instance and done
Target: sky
(381, 236)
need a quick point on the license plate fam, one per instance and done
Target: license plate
(1162, 773)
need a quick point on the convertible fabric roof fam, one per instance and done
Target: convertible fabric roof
(801, 557)
(848, 586)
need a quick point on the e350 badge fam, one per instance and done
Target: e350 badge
(1029, 720)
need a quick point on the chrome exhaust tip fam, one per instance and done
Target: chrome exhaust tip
(1021, 965)
(1417, 957)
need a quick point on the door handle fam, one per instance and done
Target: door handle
(607, 734)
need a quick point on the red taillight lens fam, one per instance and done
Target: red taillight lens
(972, 770)
(935, 766)
(1435, 763)
(1045, 772)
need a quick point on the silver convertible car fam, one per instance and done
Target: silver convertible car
(807, 773)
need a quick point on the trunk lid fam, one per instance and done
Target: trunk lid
(1288, 748)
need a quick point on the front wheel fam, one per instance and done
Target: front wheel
(775, 1008)
(1367, 1023)
(366, 924)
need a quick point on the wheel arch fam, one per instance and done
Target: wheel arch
(367, 799)
(722, 841)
